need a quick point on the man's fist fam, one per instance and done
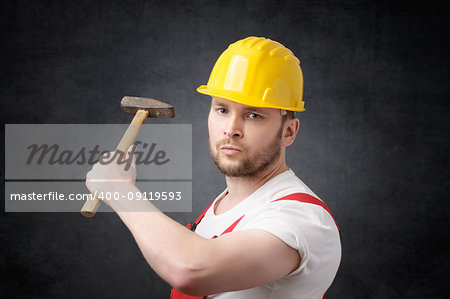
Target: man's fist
(114, 172)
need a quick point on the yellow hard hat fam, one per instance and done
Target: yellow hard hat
(258, 72)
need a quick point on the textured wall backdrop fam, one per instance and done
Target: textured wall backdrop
(373, 142)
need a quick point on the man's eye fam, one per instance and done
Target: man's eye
(254, 115)
(221, 110)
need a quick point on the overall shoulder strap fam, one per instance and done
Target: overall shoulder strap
(306, 198)
(231, 227)
(175, 294)
(193, 225)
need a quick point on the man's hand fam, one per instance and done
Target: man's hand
(112, 173)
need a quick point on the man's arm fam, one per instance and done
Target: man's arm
(198, 266)
(190, 263)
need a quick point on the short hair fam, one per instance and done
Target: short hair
(287, 115)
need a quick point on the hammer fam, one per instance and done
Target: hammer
(142, 108)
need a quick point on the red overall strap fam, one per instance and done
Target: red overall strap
(230, 229)
(306, 198)
(189, 225)
(175, 294)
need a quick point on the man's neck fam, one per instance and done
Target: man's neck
(240, 188)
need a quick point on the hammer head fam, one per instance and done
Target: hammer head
(155, 108)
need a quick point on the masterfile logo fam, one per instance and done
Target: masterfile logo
(68, 151)
(46, 165)
(53, 154)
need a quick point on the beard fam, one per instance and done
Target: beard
(247, 166)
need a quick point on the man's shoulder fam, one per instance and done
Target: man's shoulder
(287, 184)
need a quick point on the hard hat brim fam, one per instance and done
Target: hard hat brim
(203, 89)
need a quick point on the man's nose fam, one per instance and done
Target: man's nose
(233, 128)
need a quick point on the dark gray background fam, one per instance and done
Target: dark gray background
(372, 142)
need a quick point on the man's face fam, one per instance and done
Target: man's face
(243, 140)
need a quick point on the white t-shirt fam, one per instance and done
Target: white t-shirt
(309, 228)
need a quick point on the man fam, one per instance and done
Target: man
(267, 235)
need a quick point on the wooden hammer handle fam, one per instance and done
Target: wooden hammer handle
(91, 205)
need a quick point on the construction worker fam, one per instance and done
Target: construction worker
(267, 235)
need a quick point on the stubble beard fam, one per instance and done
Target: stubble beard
(247, 166)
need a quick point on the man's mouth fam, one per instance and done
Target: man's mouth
(230, 150)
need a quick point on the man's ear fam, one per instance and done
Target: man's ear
(290, 131)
